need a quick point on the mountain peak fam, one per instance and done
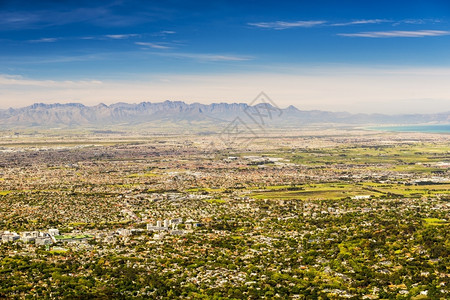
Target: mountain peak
(76, 114)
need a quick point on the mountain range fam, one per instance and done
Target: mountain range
(126, 114)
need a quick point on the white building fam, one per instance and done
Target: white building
(42, 241)
(124, 232)
(159, 236)
(53, 231)
(150, 227)
(361, 197)
(9, 237)
(176, 221)
(29, 236)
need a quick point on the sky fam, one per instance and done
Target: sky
(357, 56)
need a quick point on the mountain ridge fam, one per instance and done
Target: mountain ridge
(77, 114)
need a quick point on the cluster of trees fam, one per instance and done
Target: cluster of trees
(326, 255)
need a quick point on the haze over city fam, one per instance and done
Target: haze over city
(384, 56)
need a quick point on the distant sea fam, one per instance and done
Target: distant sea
(440, 128)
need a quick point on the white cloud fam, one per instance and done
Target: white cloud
(417, 21)
(163, 33)
(44, 40)
(153, 45)
(205, 56)
(359, 22)
(121, 36)
(280, 25)
(11, 81)
(397, 33)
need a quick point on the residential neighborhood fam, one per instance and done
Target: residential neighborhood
(361, 217)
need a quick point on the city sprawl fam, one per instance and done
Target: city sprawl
(346, 214)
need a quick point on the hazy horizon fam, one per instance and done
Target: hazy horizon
(209, 103)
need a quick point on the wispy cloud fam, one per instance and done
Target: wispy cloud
(206, 56)
(44, 40)
(121, 36)
(397, 33)
(360, 22)
(15, 20)
(103, 37)
(163, 33)
(153, 45)
(17, 80)
(416, 21)
(55, 59)
(411, 21)
(280, 25)
(103, 15)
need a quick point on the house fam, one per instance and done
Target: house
(9, 237)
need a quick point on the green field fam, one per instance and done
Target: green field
(410, 156)
(333, 191)
(435, 222)
(217, 201)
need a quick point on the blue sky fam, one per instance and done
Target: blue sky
(368, 56)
